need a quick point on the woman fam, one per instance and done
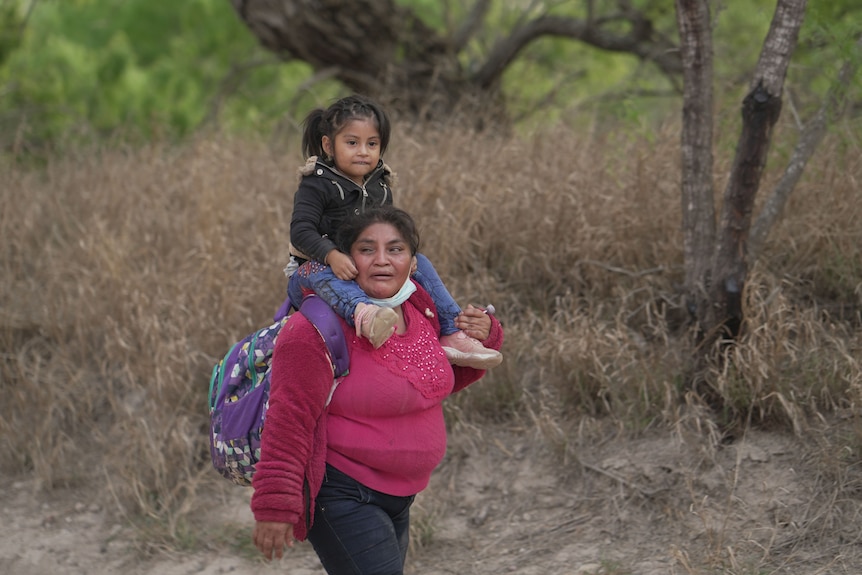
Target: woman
(345, 476)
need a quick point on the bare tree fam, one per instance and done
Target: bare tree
(383, 49)
(717, 260)
(716, 263)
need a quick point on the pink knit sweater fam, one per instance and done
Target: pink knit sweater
(384, 426)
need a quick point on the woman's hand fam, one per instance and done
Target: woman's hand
(474, 322)
(270, 538)
(342, 265)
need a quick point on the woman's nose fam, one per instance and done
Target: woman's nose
(381, 258)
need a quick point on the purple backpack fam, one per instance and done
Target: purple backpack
(239, 388)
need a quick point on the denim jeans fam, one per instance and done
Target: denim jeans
(344, 295)
(357, 530)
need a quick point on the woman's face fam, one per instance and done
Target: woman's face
(383, 259)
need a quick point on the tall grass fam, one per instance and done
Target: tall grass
(127, 272)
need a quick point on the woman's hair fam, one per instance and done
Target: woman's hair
(331, 121)
(350, 230)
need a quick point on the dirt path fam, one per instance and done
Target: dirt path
(498, 504)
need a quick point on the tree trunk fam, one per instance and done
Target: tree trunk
(698, 209)
(715, 264)
(375, 47)
(760, 111)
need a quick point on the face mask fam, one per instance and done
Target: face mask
(403, 294)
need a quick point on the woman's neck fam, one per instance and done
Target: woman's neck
(400, 323)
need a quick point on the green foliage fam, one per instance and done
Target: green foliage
(151, 67)
(11, 27)
(826, 42)
(157, 68)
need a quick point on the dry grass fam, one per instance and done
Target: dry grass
(127, 272)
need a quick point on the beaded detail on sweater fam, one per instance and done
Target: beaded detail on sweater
(417, 355)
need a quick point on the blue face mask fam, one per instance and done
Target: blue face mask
(403, 294)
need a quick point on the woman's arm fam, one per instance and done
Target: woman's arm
(300, 384)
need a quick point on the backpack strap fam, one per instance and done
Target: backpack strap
(328, 324)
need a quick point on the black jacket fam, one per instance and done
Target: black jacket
(325, 199)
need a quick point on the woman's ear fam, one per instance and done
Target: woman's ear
(414, 264)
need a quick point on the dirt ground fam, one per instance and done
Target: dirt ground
(499, 503)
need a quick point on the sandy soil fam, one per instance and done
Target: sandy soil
(500, 504)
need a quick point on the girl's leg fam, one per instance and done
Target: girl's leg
(447, 308)
(357, 530)
(347, 299)
(343, 296)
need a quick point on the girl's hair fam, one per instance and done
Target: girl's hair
(351, 229)
(331, 121)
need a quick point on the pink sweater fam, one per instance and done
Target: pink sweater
(384, 426)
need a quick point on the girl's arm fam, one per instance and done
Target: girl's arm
(309, 205)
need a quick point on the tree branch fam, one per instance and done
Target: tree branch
(832, 108)
(640, 42)
(231, 82)
(779, 46)
(470, 25)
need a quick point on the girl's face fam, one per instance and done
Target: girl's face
(355, 149)
(383, 260)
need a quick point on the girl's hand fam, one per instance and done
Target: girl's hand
(342, 265)
(270, 538)
(474, 322)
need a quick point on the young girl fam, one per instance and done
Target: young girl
(344, 176)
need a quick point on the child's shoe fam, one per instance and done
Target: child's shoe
(466, 351)
(375, 323)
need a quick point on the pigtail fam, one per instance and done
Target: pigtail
(312, 134)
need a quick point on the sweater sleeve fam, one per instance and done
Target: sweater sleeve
(300, 383)
(309, 205)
